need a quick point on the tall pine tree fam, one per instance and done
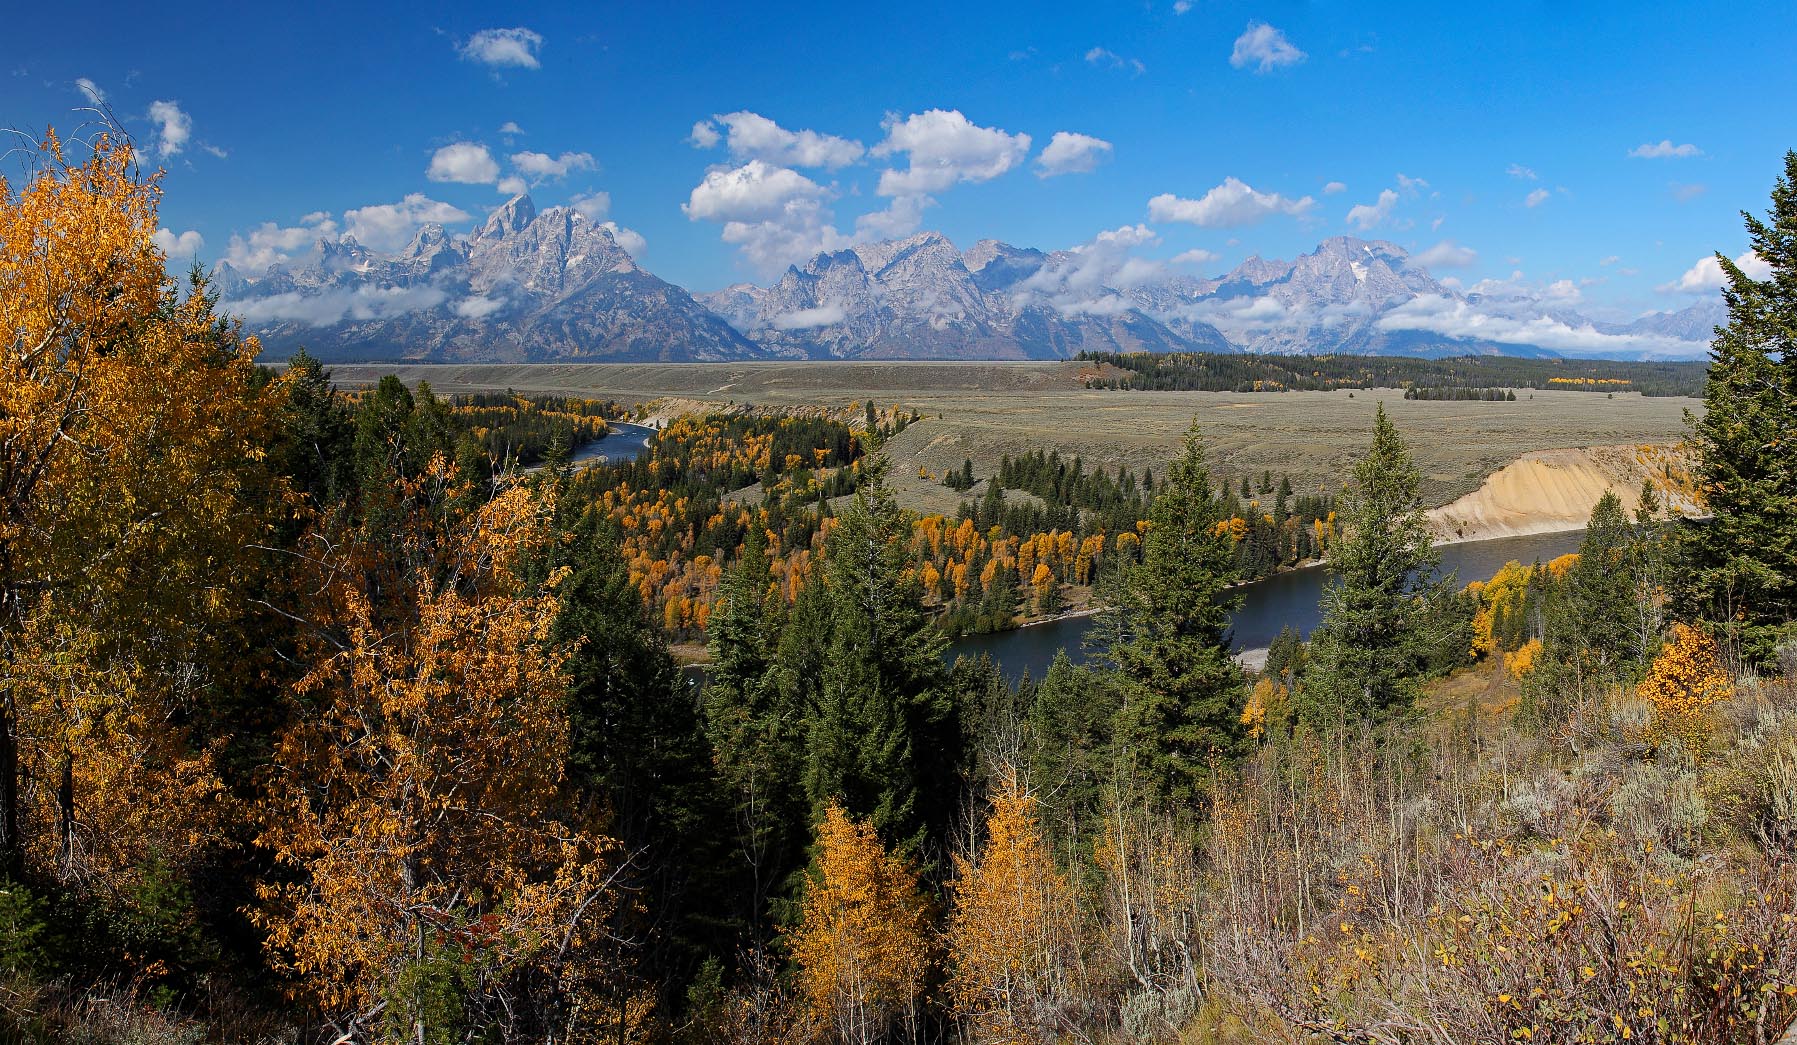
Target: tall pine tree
(1742, 564)
(1367, 658)
(638, 749)
(1588, 642)
(885, 738)
(756, 728)
(1182, 695)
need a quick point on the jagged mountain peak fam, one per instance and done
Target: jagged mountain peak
(1355, 247)
(509, 217)
(933, 246)
(527, 286)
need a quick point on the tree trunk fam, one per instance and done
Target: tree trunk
(12, 847)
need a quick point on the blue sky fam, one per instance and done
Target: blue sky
(1258, 127)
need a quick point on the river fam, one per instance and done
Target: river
(625, 442)
(1267, 606)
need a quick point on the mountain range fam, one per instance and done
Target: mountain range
(555, 286)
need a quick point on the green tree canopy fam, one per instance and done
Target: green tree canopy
(1743, 561)
(1182, 693)
(1367, 656)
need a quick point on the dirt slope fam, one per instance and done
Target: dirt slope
(1548, 490)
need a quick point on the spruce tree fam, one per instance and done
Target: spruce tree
(1068, 752)
(1367, 657)
(637, 747)
(884, 740)
(1182, 701)
(756, 730)
(1742, 564)
(1588, 639)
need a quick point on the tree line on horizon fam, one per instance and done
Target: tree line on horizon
(1223, 372)
(321, 724)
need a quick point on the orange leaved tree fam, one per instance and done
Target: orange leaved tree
(1683, 686)
(443, 886)
(1013, 937)
(862, 945)
(131, 498)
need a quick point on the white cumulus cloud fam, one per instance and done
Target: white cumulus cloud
(1446, 254)
(465, 163)
(754, 191)
(173, 128)
(1196, 256)
(1334, 187)
(631, 240)
(944, 147)
(1664, 150)
(1442, 315)
(1536, 198)
(704, 136)
(183, 245)
(1517, 170)
(776, 215)
(807, 318)
(1085, 279)
(90, 89)
(478, 306)
(1265, 48)
(1230, 205)
(270, 244)
(1706, 276)
(752, 136)
(594, 206)
(337, 305)
(1366, 216)
(1070, 153)
(514, 48)
(1109, 59)
(540, 165)
(390, 226)
(900, 217)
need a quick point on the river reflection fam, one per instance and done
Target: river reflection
(1289, 599)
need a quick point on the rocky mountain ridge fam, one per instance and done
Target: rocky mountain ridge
(555, 286)
(527, 286)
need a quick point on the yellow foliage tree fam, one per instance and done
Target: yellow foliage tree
(1013, 938)
(1683, 686)
(1269, 705)
(1521, 661)
(1043, 582)
(131, 499)
(417, 808)
(862, 944)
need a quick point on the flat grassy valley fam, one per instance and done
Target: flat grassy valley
(984, 411)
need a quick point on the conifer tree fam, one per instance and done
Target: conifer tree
(1367, 656)
(756, 731)
(637, 747)
(1182, 693)
(1597, 596)
(884, 740)
(1743, 562)
(1071, 717)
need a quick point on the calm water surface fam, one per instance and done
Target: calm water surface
(1267, 606)
(625, 442)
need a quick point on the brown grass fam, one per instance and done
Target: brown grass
(984, 410)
